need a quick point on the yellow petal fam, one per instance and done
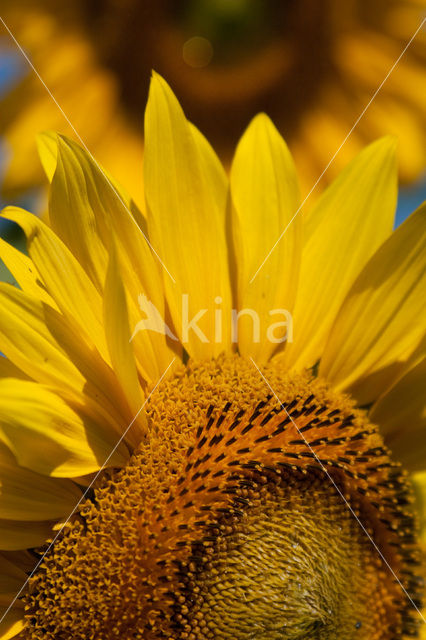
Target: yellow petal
(265, 197)
(117, 330)
(63, 276)
(27, 341)
(186, 219)
(48, 437)
(25, 495)
(47, 146)
(212, 168)
(12, 624)
(24, 272)
(10, 370)
(378, 327)
(349, 222)
(401, 416)
(11, 578)
(17, 534)
(151, 349)
(72, 216)
(96, 210)
(47, 347)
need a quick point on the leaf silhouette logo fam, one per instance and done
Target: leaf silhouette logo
(153, 320)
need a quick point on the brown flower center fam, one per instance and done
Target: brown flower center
(240, 518)
(296, 565)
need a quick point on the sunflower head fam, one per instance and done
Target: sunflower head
(233, 464)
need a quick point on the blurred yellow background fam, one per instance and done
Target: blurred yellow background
(312, 65)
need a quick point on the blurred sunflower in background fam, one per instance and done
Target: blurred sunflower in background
(262, 491)
(312, 65)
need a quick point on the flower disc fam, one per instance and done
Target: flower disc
(243, 516)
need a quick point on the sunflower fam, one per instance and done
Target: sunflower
(312, 66)
(234, 461)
